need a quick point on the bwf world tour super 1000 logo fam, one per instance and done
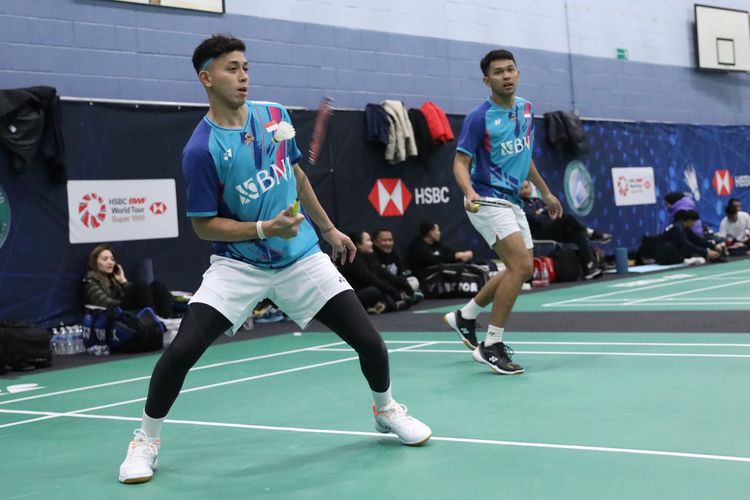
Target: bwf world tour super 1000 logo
(92, 210)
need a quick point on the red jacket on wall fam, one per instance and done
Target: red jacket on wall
(437, 122)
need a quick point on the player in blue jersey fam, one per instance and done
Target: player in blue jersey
(493, 158)
(242, 181)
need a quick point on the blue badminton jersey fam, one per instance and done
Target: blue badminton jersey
(499, 141)
(242, 174)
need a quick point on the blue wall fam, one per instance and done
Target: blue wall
(107, 49)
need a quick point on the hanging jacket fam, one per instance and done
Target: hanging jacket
(437, 121)
(565, 131)
(425, 146)
(401, 142)
(29, 116)
(376, 120)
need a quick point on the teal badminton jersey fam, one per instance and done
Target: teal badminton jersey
(242, 174)
(499, 141)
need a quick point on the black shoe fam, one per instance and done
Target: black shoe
(601, 237)
(465, 328)
(497, 356)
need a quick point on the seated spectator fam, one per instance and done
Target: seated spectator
(427, 250)
(565, 229)
(677, 201)
(389, 259)
(105, 285)
(686, 242)
(376, 288)
(735, 228)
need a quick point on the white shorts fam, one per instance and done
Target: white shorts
(234, 288)
(498, 222)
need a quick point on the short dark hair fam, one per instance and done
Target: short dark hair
(356, 236)
(495, 55)
(673, 197)
(686, 215)
(731, 210)
(732, 201)
(213, 47)
(379, 230)
(425, 227)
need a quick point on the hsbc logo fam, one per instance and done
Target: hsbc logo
(158, 208)
(390, 197)
(723, 182)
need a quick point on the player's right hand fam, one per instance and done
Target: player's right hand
(286, 224)
(470, 202)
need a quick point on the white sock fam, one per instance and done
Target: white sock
(494, 335)
(382, 399)
(151, 426)
(471, 310)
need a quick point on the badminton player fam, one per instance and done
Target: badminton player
(493, 158)
(243, 177)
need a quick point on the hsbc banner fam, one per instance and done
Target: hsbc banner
(634, 186)
(101, 211)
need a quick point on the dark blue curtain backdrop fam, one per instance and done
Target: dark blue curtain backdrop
(40, 271)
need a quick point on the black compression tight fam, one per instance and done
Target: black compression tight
(346, 317)
(203, 324)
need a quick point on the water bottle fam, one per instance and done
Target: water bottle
(545, 275)
(78, 339)
(55, 342)
(69, 342)
(536, 280)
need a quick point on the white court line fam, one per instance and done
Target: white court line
(210, 386)
(194, 369)
(526, 342)
(573, 353)
(677, 294)
(494, 442)
(645, 304)
(649, 287)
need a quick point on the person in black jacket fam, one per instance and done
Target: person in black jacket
(688, 244)
(387, 256)
(377, 289)
(427, 250)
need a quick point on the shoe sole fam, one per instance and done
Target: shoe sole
(385, 430)
(466, 341)
(479, 359)
(138, 480)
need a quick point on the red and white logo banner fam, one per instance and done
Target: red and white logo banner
(101, 211)
(634, 186)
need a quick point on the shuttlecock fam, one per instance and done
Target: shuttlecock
(284, 132)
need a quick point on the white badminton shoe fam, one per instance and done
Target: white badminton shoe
(140, 463)
(394, 418)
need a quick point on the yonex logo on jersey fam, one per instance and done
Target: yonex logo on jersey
(248, 190)
(227, 154)
(515, 146)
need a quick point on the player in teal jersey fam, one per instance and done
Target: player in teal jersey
(242, 180)
(493, 158)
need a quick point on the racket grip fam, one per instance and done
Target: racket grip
(295, 208)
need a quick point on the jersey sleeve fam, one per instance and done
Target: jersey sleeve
(472, 135)
(294, 153)
(202, 183)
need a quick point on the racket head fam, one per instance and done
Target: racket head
(325, 110)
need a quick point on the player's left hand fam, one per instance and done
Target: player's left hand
(553, 205)
(342, 247)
